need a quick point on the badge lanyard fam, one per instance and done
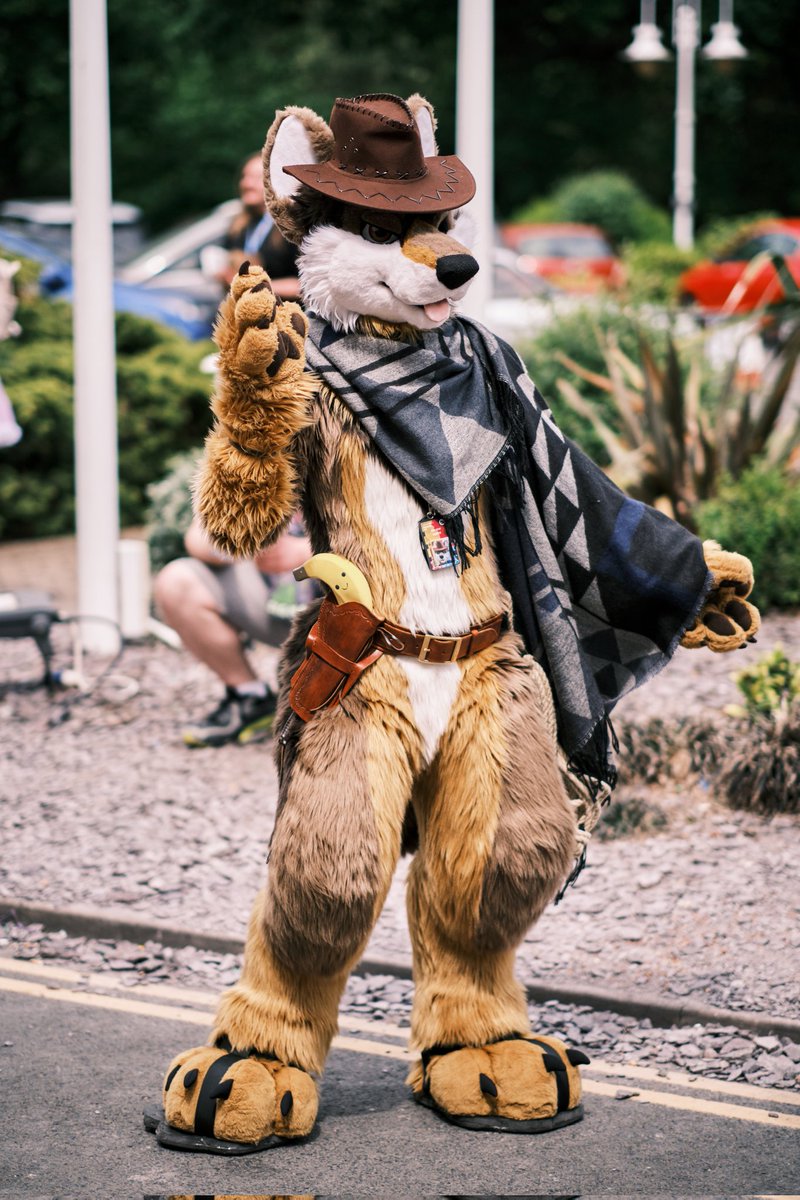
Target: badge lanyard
(440, 553)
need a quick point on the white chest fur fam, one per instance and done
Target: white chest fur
(434, 600)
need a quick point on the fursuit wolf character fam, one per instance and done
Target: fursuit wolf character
(491, 595)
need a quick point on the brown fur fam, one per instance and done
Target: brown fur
(535, 832)
(243, 498)
(277, 1011)
(468, 875)
(324, 868)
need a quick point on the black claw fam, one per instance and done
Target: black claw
(244, 269)
(298, 324)
(265, 285)
(264, 323)
(223, 1091)
(551, 1061)
(170, 1077)
(190, 1077)
(577, 1058)
(487, 1085)
(287, 1100)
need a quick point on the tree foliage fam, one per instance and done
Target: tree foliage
(194, 85)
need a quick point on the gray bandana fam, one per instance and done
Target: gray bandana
(427, 407)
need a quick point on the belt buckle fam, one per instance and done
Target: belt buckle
(423, 652)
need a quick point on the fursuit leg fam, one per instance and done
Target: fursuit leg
(334, 850)
(497, 838)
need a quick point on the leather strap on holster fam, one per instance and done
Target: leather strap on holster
(339, 650)
(348, 638)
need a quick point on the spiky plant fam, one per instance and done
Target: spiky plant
(764, 774)
(666, 447)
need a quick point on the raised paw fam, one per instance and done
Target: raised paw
(217, 1100)
(518, 1085)
(259, 333)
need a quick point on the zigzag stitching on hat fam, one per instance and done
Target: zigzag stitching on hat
(437, 195)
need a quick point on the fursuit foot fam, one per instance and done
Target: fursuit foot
(221, 1101)
(518, 1084)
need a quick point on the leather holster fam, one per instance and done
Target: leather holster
(339, 650)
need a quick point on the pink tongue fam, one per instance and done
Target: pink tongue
(438, 311)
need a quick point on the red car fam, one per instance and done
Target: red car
(577, 258)
(742, 279)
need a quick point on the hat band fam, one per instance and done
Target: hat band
(376, 173)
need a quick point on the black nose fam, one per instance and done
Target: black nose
(453, 270)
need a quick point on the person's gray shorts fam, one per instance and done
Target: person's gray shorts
(241, 593)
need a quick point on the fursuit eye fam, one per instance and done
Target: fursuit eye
(382, 237)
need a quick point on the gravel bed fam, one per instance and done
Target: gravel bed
(712, 1051)
(102, 806)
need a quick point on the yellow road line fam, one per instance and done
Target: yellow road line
(358, 1045)
(698, 1104)
(116, 1003)
(165, 991)
(748, 1091)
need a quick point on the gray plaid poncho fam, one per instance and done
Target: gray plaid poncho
(603, 586)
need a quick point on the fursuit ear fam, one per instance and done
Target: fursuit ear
(422, 111)
(297, 135)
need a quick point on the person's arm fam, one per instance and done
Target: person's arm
(286, 553)
(199, 545)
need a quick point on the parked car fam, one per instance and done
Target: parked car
(49, 223)
(186, 259)
(180, 311)
(742, 278)
(577, 258)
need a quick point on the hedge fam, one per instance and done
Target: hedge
(163, 408)
(758, 514)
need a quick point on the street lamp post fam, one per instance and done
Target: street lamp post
(646, 50)
(687, 39)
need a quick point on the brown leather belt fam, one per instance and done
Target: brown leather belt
(348, 638)
(430, 648)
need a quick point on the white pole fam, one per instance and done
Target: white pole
(96, 487)
(474, 134)
(686, 43)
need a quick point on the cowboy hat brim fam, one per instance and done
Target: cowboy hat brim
(446, 184)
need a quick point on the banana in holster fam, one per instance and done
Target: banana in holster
(338, 650)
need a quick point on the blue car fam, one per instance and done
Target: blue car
(187, 315)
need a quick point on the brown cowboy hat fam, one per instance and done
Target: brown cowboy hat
(377, 161)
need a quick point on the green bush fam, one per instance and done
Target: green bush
(169, 509)
(773, 681)
(605, 198)
(653, 270)
(162, 408)
(758, 514)
(575, 335)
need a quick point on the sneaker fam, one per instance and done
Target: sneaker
(235, 719)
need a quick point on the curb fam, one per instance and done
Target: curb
(662, 1011)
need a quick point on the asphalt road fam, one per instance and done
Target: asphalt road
(77, 1066)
